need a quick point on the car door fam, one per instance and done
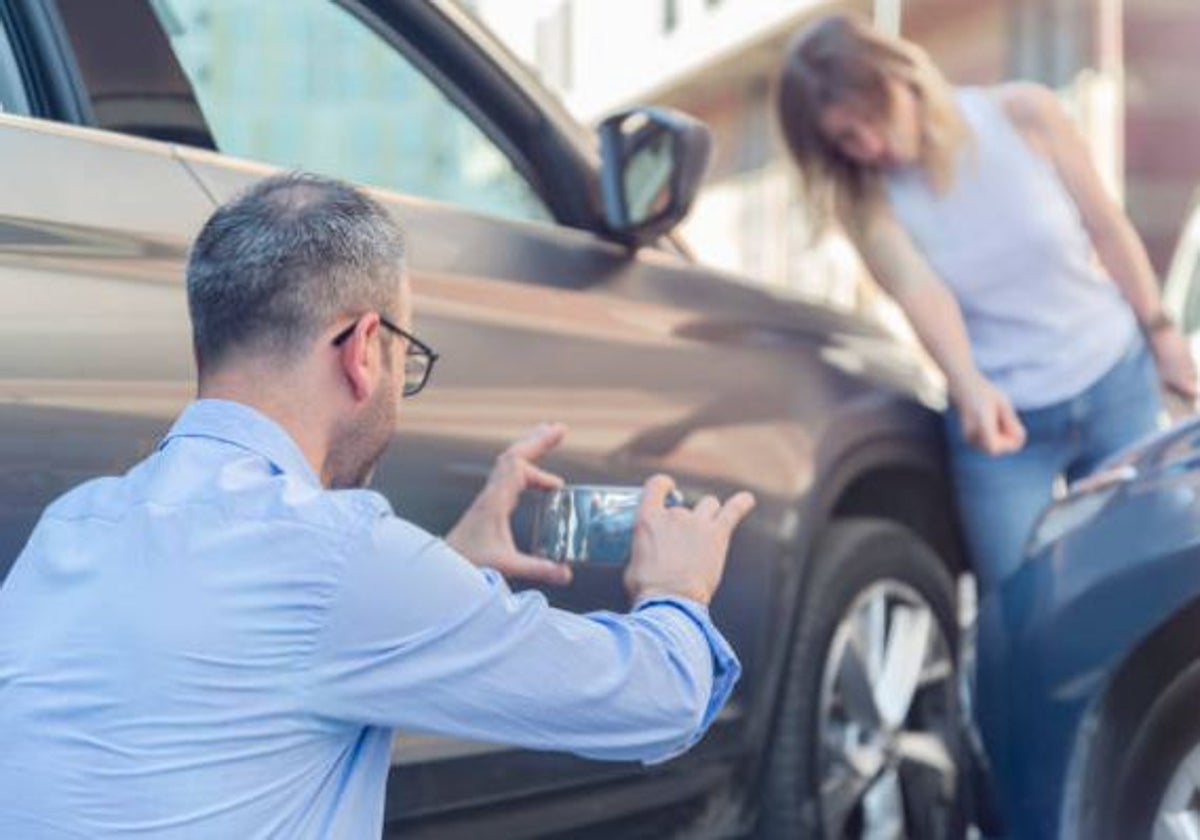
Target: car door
(536, 317)
(1181, 294)
(94, 348)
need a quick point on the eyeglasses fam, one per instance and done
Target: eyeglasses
(418, 356)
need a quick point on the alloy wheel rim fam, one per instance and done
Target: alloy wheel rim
(1178, 816)
(886, 718)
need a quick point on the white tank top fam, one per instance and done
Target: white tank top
(1045, 321)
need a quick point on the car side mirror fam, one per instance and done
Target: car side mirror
(653, 161)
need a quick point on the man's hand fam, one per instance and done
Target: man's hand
(681, 552)
(989, 421)
(484, 533)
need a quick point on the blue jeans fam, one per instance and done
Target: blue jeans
(1000, 497)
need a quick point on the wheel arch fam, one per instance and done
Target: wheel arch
(1137, 682)
(898, 479)
(875, 479)
(910, 495)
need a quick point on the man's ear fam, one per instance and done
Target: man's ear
(358, 356)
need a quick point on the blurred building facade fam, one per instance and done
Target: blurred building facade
(1162, 117)
(1122, 67)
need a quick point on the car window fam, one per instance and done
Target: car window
(1181, 291)
(1191, 313)
(1189, 276)
(306, 84)
(12, 89)
(1191, 322)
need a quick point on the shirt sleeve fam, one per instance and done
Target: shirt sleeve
(417, 638)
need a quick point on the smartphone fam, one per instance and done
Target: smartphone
(587, 523)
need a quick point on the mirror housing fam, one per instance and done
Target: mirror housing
(653, 161)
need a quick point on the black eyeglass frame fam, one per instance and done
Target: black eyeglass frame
(416, 347)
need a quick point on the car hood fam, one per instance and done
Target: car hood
(1175, 448)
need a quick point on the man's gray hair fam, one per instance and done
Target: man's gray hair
(277, 265)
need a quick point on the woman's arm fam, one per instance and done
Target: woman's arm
(1040, 118)
(989, 420)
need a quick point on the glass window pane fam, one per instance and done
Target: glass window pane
(12, 90)
(1191, 317)
(307, 85)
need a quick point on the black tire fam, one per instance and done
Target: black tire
(1162, 739)
(854, 556)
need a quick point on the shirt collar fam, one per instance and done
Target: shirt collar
(245, 427)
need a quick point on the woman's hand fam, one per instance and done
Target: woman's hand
(989, 421)
(1173, 357)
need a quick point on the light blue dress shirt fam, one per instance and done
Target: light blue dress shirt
(214, 645)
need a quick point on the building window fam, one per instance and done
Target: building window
(670, 15)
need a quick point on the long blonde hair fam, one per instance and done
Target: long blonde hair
(841, 58)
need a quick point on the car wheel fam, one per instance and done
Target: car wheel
(868, 739)
(1159, 793)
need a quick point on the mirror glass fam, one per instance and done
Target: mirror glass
(649, 156)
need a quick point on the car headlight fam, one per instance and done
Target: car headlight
(1085, 500)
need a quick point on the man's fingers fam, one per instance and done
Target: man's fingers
(736, 509)
(539, 440)
(708, 507)
(654, 493)
(536, 569)
(542, 479)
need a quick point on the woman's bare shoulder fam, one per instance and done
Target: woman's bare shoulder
(1029, 105)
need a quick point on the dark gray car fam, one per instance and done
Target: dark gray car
(121, 131)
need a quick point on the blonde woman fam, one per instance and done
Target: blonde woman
(980, 212)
